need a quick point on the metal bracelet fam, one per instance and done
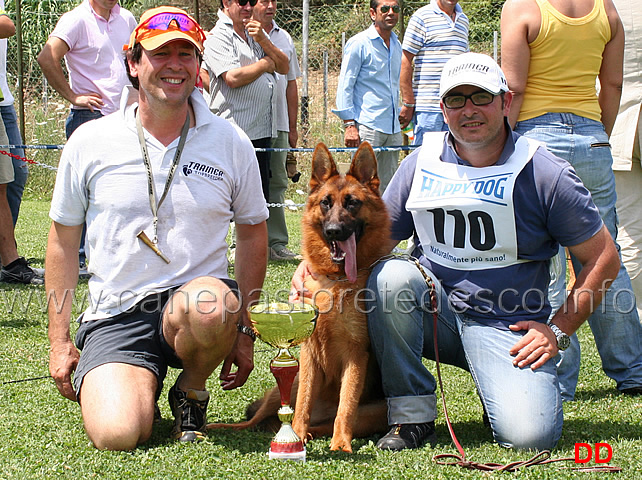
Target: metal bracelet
(244, 329)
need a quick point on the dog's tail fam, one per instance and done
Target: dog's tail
(262, 413)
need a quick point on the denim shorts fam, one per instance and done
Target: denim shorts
(134, 337)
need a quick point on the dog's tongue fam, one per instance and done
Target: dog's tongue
(349, 246)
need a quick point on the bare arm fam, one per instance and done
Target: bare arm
(281, 63)
(600, 265)
(292, 99)
(49, 60)
(239, 77)
(520, 22)
(61, 278)
(205, 78)
(405, 85)
(7, 28)
(611, 70)
(250, 265)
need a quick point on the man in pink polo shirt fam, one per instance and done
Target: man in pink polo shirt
(90, 38)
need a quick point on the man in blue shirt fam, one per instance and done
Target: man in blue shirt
(488, 209)
(368, 90)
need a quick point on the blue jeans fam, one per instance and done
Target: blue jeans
(524, 406)
(428, 122)
(20, 168)
(615, 323)
(75, 119)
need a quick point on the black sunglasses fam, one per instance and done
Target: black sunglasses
(386, 8)
(478, 98)
(242, 3)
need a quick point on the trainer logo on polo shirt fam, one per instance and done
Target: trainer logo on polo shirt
(207, 171)
(486, 189)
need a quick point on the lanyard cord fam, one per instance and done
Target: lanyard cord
(151, 190)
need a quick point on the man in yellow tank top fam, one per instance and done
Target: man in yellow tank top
(553, 51)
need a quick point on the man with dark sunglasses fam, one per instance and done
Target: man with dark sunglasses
(240, 62)
(487, 209)
(368, 89)
(287, 107)
(157, 184)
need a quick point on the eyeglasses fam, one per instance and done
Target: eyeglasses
(163, 21)
(478, 98)
(386, 8)
(242, 3)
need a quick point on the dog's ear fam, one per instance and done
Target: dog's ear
(323, 167)
(364, 167)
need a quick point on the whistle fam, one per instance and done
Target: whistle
(145, 239)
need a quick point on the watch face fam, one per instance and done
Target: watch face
(563, 341)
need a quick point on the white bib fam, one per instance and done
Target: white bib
(464, 216)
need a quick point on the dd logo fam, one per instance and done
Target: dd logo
(589, 453)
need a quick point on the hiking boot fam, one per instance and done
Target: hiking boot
(282, 253)
(190, 413)
(157, 414)
(410, 435)
(19, 271)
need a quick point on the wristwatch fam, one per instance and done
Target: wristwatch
(563, 340)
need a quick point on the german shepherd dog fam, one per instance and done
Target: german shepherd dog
(345, 227)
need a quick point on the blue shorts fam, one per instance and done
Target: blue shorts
(134, 337)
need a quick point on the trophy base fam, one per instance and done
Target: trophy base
(294, 456)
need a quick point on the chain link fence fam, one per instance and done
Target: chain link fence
(331, 23)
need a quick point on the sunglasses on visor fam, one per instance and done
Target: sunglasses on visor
(162, 21)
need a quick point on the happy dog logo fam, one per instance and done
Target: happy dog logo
(486, 189)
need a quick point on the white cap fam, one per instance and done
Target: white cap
(472, 69)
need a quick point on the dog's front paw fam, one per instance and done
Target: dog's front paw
(304, 435)
(341, 443)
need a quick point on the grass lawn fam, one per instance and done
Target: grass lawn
(42, 436)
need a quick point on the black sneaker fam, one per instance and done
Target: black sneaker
(410, 435)
(19, 271)
(633, 391)
(190, 413)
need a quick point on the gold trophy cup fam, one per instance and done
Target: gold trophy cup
(284, 325)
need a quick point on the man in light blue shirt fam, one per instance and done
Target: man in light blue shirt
(368, 90)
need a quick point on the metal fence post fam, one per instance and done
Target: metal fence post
(21, 88)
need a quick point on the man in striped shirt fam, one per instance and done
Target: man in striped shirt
(241, 62)
(435, 33)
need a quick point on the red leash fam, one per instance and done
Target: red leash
(540, 458)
